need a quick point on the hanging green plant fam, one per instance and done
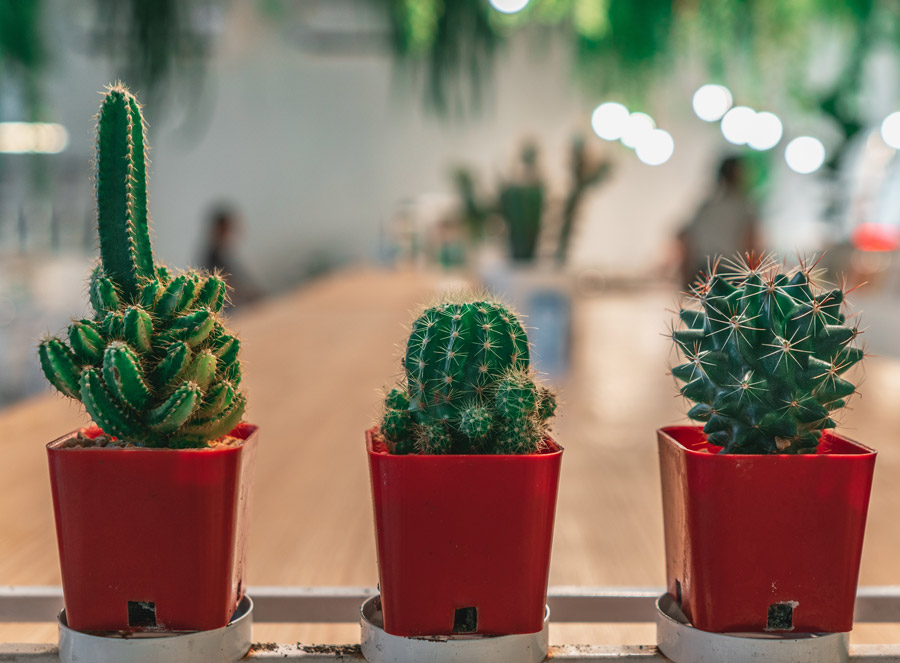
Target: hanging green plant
(454, 42)
(623, 46)
(628, 44)
(155, 43)
(23, 55)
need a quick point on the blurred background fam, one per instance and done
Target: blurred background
(344, 160)
(582, 140)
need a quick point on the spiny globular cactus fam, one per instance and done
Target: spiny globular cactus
(468, 387)
(154, 366)
(765, 350)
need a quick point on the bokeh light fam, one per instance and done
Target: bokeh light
(608, 120)
(32, 138)
(738, 125)
(655, 147)
(890, 130)
(805, 155)
(766, 131)
(636, 128)
(711, 102)
(509, 6)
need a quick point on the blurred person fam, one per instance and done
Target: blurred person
(726, 223)
(219, 255)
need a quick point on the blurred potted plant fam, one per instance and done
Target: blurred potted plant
(521, 206)
(152, 503)
(765, 505)
(526, 211)
(521, 202)
(464, 478)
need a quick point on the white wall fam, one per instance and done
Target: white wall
(319, 150)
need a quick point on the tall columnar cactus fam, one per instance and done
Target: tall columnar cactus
(154, 366)
(765, 351)
(468, 387)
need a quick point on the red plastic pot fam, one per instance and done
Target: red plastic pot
(152, 539)
(764, 543)
(463, 540)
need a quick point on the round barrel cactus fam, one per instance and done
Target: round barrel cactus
(468, 387)
(764, 353)
(154, 365)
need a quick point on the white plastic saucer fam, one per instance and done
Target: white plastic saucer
(222, 645)
(682, 643)
(378, 646)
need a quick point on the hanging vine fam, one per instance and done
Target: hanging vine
(23, 55)
(624, 46)
(155, 44)
(454, 42)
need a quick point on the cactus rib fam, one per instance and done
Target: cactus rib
(59, 366)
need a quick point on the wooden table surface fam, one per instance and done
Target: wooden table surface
(316, 360)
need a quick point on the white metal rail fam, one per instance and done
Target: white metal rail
(342, 604)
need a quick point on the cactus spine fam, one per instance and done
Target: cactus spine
(765, 352)
(154, 365)
(467, 386)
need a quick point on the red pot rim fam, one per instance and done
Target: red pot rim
(374, 445)
(242, 431)
(849, 448)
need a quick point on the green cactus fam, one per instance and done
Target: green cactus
(154, 366)
(467, 385)
(765, 351)
(521, 204)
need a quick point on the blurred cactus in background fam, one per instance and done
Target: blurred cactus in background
(585, 174)
(522, 202)
(765, 352)
(468, 387)
(475, 213)
(154, 366)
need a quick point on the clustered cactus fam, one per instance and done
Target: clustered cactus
(154, 366)
(468, 387)
(764, 352)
